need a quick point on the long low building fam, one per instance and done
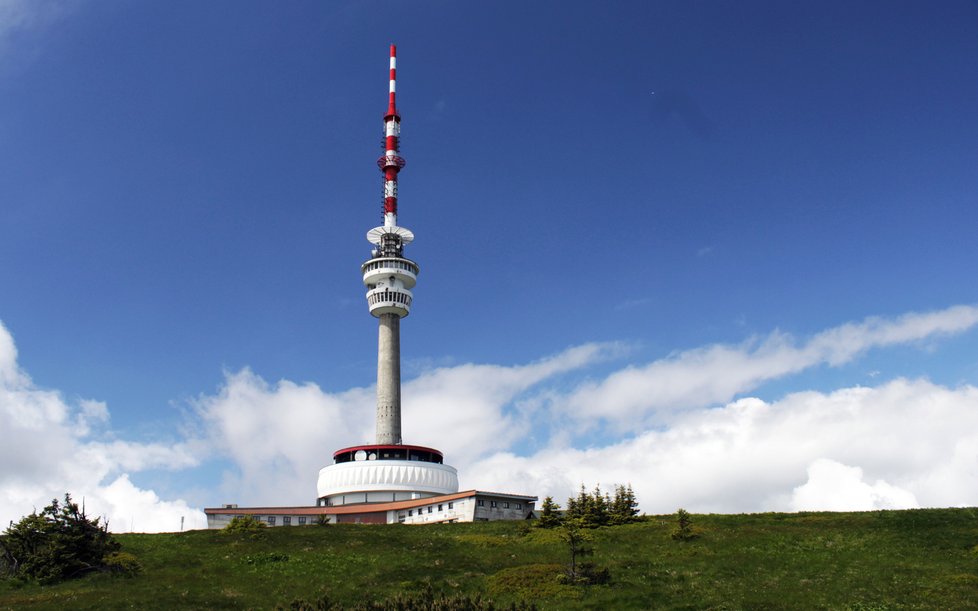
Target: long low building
(468, 506)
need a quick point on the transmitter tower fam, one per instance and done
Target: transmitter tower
(388, 481)
(389, 276)
(387, 470)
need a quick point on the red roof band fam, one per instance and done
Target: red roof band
(368, 448)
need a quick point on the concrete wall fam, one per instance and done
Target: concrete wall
(221, 520)
(469, 509)
(446, 511)
(494, 508)
(384, 476)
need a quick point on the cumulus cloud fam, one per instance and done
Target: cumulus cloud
(49, 446)
(715, 374)
(832, 486)
(912, 439)
(279, 435)
(917, 443)
(469, 410)
(903, 443)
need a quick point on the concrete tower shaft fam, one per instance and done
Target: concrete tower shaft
(389, 380)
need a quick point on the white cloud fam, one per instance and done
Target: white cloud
(715, 374)
(832, 486)
(463, 411)
(280, 435)
(903, 443)
(47, 448)
(914, 440)
(917, 441)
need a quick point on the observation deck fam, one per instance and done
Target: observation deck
(388, 281)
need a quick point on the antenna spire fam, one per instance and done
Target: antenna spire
(390, 163)
(392, 107)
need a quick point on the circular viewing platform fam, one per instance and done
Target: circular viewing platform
(384, 473)
(387, 452)
(379, 268)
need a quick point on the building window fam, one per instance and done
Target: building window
(302, 520)
(429, 509)
(480, 503)
(239, 517)
(505, 505)
(492, 503)
(439, 507)
(451, 505)
(287, 521)
(519, 505)
(410, 512)
(271, 520)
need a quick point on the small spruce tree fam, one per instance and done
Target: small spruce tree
(578, 572)
(624, 508)
(596, 513)
(684, 526)
(549, 513)
(595, 509)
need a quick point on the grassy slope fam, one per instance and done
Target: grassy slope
(874, 560)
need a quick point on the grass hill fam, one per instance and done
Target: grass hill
(873, 560)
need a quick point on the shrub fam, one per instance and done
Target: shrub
(123, 563)
(426, 600)
(262, 558)
(684, 526)
(587, 574)
(244, 524)
(58, 543)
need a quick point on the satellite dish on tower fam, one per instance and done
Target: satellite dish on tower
(375, 234)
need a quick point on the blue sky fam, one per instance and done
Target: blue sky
(185, 189)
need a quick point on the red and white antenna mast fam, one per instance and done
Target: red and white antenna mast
(390, 162)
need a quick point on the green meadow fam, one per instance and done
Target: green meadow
(921, 559)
